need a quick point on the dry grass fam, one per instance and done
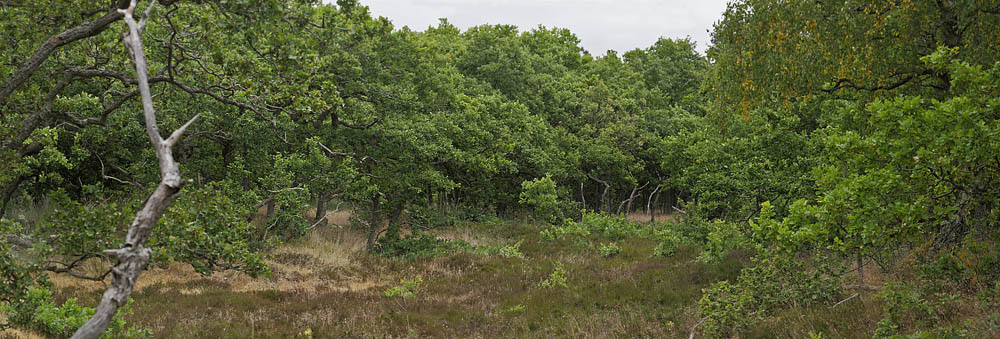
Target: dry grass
(324, 283)
(657, 217)
(16, 333)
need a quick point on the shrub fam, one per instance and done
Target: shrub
(609, 250)
(424, 245)
(721, 239)
(541, 195)
(597, 224)
(668, 241)
(418, 245)
(511, 251)
(36, 311)
(406, 289)
(556, 279)
(773, 284)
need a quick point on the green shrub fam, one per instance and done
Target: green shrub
(15, 276)
(424, 245)
(510, 251)
(668, 241)
(722, 238)
(406, 289)
(596, 224)
(541, 195)
(36, 311)
(609, 250)
(773, 284)
(556, 279)
(418, 245)
(440, 218)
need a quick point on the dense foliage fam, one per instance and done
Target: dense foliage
(819, 138)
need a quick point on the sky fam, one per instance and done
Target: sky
(621, 25)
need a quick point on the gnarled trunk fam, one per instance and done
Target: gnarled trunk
(133, 257)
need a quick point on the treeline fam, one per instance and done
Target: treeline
(828, 137)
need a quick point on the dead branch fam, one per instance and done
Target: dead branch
(133, 256)
(846, 300)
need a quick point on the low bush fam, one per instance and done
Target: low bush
(609, 250)
(406, 289)
(556, 279)
(417, 245)
(595, 224)
(36, 311)
(774, 284)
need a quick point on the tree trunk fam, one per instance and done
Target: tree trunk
(627, 203)
(393, 227)
(320, 219)
(861, 270)
(270, 207)
(604, 195)
(649, 204)
(8, 194)
(133, 256)
(373, 223)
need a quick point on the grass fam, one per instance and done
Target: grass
(325, 286)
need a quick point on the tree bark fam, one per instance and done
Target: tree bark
(861, 270)
(649, 204)
(604, 195)
(627, 203)
(133, 257)
(373, 223)
(270, 206)
(320, 219)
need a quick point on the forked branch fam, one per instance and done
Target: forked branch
(133, 256)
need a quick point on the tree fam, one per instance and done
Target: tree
(923, 175)
(794, 52)
(134, 256)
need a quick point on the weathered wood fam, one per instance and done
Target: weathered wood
(649, 203)
(133, 257)
(627, 203)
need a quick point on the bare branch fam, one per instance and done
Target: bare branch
(285, 190)
(332, 153)
(23, 243)
(176, 136)
(145, 16)
(846, 300)
(134, 256)
(320, 220)
(849, 83)
(105, 176)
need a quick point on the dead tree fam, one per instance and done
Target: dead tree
(649, 203)
(133, 257)
(627, 203)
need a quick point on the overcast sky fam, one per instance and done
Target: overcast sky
(621, 25)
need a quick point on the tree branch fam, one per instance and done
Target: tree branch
(133, 257)
(176, 136)
(849, 83)
(26, 69)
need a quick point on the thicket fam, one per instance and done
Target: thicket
(823, 139)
